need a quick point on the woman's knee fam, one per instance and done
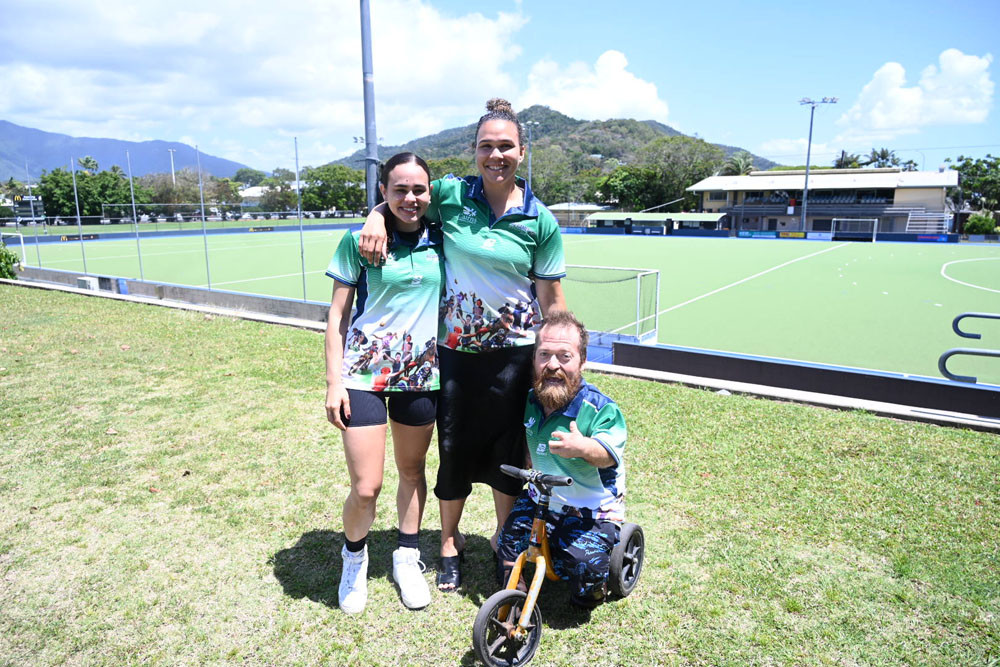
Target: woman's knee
(365, 492)
(412, 471)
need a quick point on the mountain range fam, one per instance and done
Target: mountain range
(49, 150)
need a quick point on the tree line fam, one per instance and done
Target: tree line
(656, 173)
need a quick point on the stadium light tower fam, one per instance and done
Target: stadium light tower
(529, 124)
(812, 110)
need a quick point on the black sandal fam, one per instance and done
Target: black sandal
(450, 573)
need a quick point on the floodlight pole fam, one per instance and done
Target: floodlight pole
(371, 137)
(204, 230)
(298, 196)
(135, 217)
(528, 124)
(173, 178)
(805, 189)
(31, 203)
(79, 224)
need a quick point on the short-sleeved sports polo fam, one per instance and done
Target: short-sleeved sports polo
(489, 299)
(391, 343)
(600, 490)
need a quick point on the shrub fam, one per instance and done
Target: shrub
(980, 223)
(8, 258)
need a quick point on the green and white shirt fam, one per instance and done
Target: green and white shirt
(489, 299)
(597, 492)
(391, 344)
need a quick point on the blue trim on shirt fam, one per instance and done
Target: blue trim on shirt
(341, 279)
(529, 208)
(361, 295)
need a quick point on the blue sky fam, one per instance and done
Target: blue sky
(242, 79)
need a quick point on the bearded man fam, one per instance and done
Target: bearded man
(573, 430)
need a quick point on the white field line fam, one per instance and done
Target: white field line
(748, 278)
(955, 280)
(200, 251)
(734, 284)
(250, 280)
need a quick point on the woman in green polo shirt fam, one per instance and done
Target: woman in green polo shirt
(504, 261)
(381, 365)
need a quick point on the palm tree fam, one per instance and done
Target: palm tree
(87, 163)
(882, 157)
(847, 161)
(117, 171)
(738, 164)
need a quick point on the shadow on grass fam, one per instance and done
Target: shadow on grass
(311, 568)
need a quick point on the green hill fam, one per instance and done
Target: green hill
(617, 140)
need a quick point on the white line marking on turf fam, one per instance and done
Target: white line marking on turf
(738, 282)
(959, 261)
(250, 280)
(749, 278)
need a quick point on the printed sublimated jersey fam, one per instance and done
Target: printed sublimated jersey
(391, 344)
(597, 492)
(489, 299)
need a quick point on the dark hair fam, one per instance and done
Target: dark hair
(398, 159)
(500, 109)
(565, 318)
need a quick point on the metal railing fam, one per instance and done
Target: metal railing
(978, 352)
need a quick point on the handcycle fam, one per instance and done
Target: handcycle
(508, 627)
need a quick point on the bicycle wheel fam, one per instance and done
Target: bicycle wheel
(495, 634)
(626, 560)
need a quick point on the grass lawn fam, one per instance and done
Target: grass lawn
(171, 494)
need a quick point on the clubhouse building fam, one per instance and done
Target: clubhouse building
(911, 202)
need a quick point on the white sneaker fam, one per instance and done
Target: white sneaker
(407, 570)
(354, 580)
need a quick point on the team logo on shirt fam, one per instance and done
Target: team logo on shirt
(489, 244)
(531, 422)
(520, 227)
(468, 214)
(416, 280)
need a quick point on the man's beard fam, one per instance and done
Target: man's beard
(556, 396)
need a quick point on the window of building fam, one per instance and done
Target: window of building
(717, 196)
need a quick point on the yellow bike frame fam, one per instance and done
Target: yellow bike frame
(539, 554)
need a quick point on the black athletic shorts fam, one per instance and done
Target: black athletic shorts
(410, 408)
(480, 419)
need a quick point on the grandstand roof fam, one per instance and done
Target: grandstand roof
(830, 179)
(655, 217)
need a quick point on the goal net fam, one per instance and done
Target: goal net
(614, 301)
(14, 242)
(858, 229)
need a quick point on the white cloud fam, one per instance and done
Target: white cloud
(246, 79)
(606, 90)
(957, 91)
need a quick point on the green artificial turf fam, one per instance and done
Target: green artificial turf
(882, 306)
